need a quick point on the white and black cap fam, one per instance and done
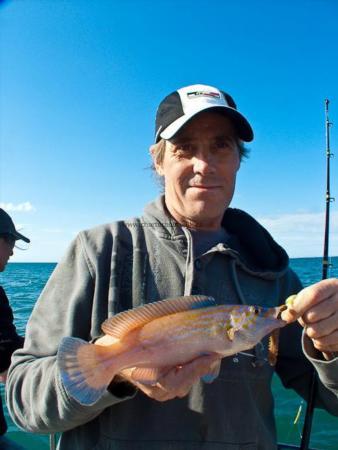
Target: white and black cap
(182, 105)
(7, 227)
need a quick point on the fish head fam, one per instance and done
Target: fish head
(251, 323)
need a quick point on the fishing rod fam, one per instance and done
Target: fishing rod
(329, 199)
(306, 434)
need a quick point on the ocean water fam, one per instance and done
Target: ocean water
(23, 283)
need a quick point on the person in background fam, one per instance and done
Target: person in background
(9, 339)
(188, 241)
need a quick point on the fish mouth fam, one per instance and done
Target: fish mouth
(280, 309)
(275, 312)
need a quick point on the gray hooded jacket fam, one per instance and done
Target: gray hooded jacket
(125, 264)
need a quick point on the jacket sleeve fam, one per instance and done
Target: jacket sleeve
(9, 339)
(72, 303)
(297, 362)
(295, 368)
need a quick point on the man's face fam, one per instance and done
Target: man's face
(6, 251)
(199, 168)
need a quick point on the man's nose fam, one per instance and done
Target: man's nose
(204, 162)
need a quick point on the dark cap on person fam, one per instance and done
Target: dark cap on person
(180, 106)
(7, 227)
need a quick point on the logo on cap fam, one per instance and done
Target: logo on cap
(203, 94)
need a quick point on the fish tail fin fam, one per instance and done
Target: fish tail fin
(84, 369)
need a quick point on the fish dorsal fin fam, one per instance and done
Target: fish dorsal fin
(121, 324)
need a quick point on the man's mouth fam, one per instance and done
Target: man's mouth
(205, 186)
(201, 183)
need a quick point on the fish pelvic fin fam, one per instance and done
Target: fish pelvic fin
(273, 347)
(147, 375)
(213, 372)
(84, 369)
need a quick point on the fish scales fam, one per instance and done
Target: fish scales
(194, 322)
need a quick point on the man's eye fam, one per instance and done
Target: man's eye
(185, 147)
(223, 144)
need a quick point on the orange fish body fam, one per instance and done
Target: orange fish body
(163, 334)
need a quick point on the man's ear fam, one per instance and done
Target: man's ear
(158, 167)
(159, 170)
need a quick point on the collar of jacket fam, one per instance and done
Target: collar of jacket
(258, 253)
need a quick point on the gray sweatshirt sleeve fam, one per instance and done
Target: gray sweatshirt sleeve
(73, 303)
(327, 375)
(295, 367)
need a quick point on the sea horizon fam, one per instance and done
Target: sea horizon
(56, 262)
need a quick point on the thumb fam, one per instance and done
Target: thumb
(290, 314)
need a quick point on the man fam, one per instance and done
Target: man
(9, 339)
(187, 242)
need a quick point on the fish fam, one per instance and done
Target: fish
(160, 335)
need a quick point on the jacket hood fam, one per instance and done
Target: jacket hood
(260, 251)
(251, 243)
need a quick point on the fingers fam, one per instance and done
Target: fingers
(178, 381)
(327, 344)
(316, 308)
(314, 303)
(191, 372)
(322, 326)
(105, 340)
(326, 309)
(161, 392)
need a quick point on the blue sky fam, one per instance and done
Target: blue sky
(81, 81)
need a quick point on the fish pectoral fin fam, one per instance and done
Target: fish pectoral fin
(213, 373)
(231, 333)
(121, 324)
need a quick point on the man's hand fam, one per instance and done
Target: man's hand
(178, 381)
(316, 309)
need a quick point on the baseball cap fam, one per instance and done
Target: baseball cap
(180, 106)
(7, 227)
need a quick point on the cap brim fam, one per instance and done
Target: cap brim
(20, 237)
(242, 126)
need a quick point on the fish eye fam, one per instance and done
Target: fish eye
(254, 310)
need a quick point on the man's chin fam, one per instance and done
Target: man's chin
(207, 201)
(204, 217)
